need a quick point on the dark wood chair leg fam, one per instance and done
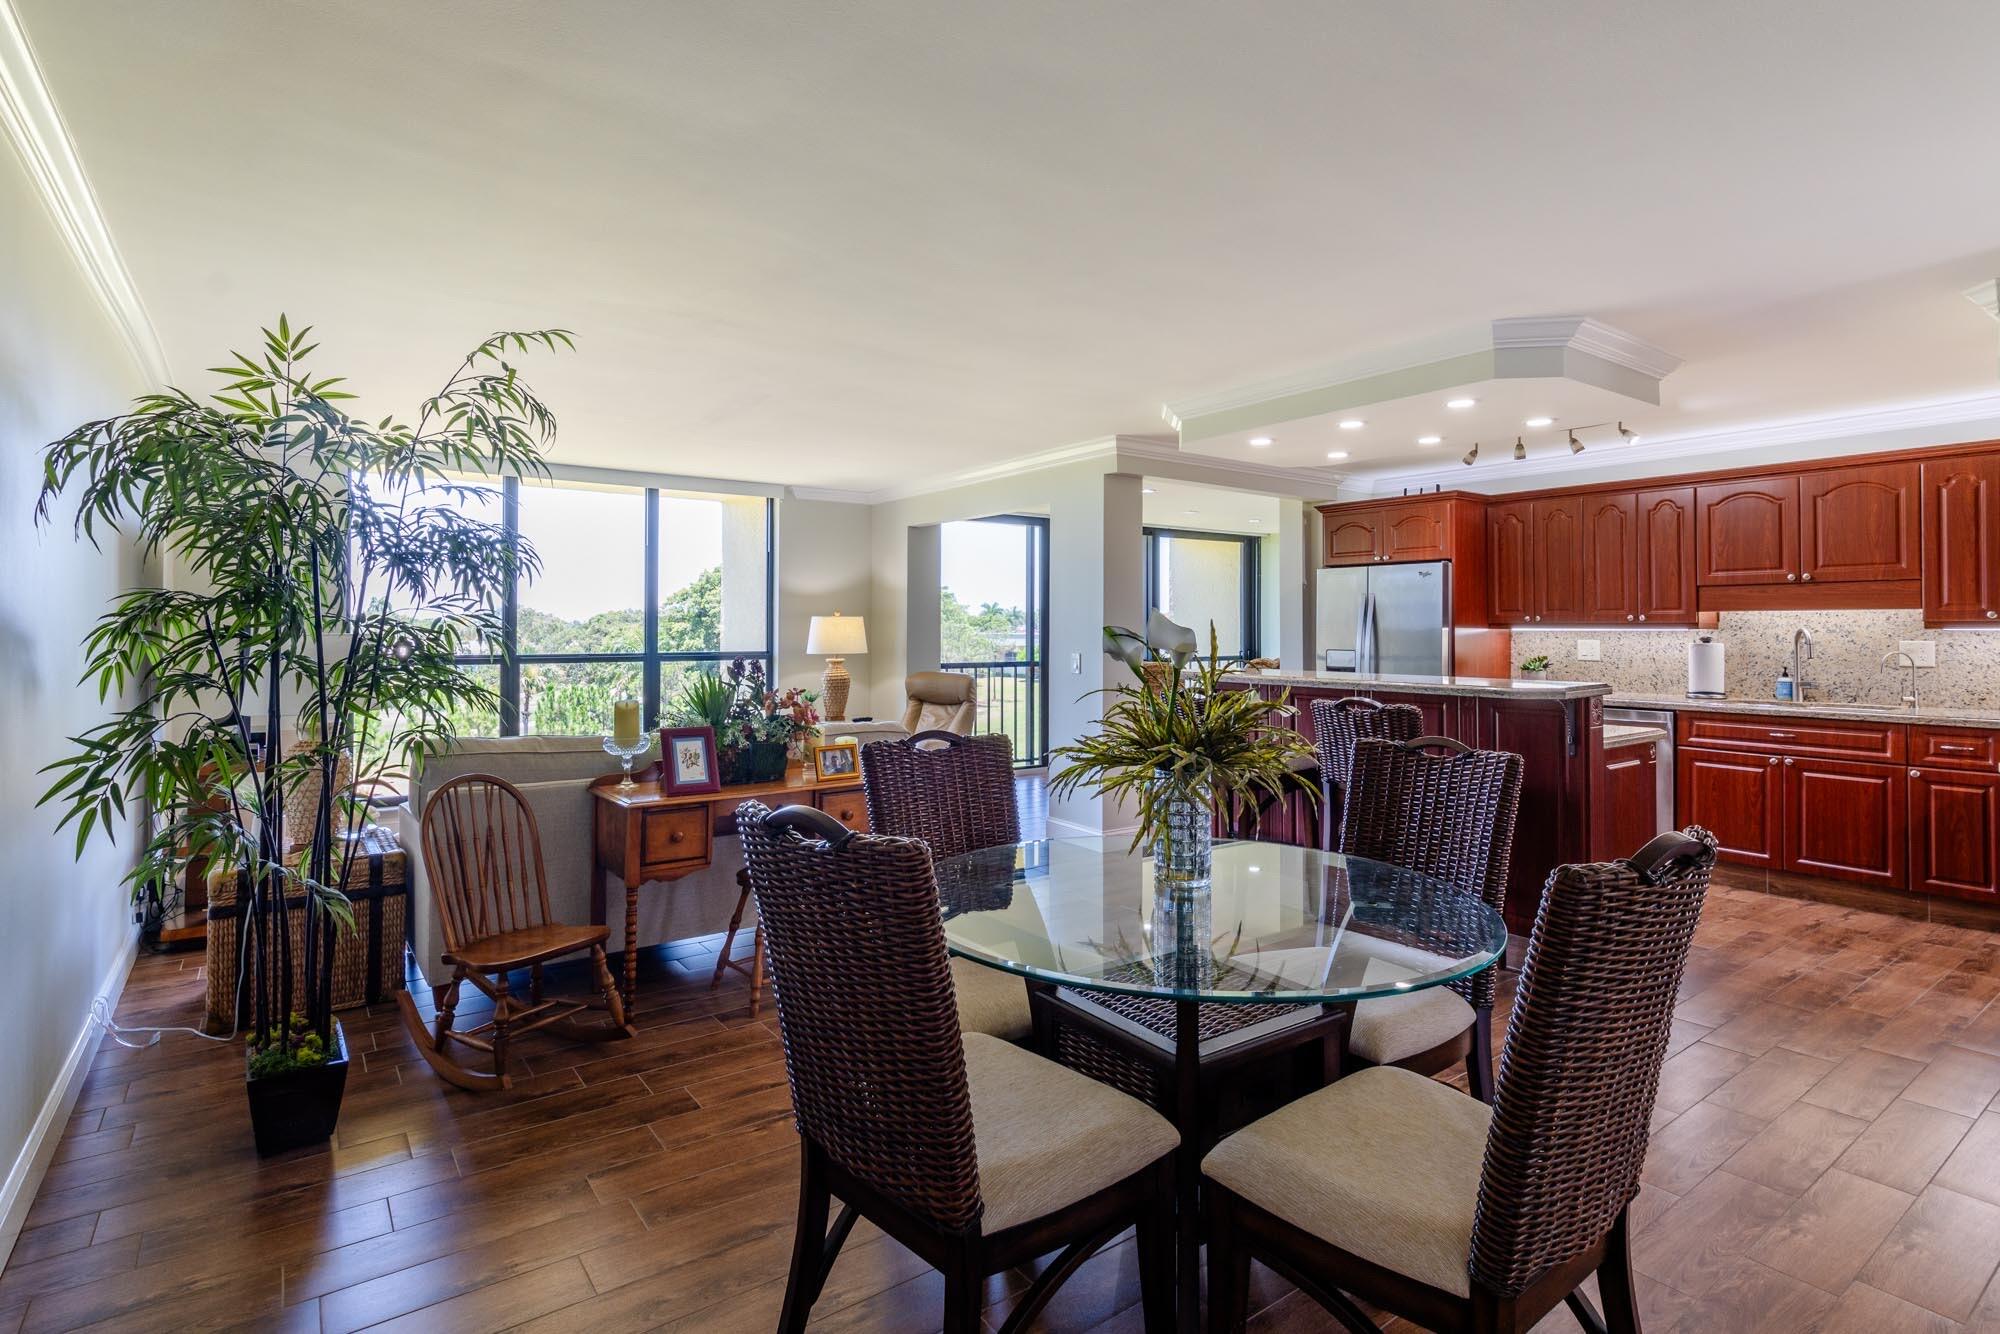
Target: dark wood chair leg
(1614, 1278)
(1155, 1242)
(729, 937)
(1228, 1268)
(1479, 1061)
(964, 1295)
(756, 969)
(808, 1270)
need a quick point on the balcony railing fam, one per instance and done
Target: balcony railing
(1010, 701)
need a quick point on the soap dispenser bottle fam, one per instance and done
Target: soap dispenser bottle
(1786, 685)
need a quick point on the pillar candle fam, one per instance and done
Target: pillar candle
(625, 721)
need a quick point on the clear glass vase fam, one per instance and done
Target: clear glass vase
(1184, 848)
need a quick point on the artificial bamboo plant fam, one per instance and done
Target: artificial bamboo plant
(328, 574)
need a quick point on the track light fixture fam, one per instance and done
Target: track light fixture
(1472, 454)
(1628, 435)
(1520, 449)
(1575, 445)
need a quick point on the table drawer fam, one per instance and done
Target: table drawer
(1955, 748)
(846, 805)
(1803, 736)
(675, 837)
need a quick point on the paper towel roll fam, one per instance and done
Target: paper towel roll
(1705, 668)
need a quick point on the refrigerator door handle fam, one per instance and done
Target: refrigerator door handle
(1364, 634)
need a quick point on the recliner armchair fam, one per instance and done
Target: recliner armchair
(940, 702)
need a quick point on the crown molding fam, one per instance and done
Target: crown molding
(29, 117)
(1152, 450)
(1986, 296)
(1664, 448)
(1580, 333)
(831, 494)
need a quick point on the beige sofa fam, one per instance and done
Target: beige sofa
(553, 774)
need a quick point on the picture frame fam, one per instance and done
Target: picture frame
(837, 759)
(687, 761)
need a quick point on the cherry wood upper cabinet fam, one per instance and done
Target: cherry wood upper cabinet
(1558, 543)
(1350, 537)
(1610, 572)
(1510, 562)
(1666, 555)
(1747, 532)
(1961, 540)
(1859, 523)
(1414, 532)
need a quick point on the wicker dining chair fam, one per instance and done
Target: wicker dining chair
(973, 1153)
(483, 857)
(1439, 807)
(1336, 725)
(956, 793)
(1402, 1192)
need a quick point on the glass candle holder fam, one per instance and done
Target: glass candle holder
(626, 752)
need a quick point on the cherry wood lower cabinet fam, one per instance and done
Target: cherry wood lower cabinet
(1629, 788)
(1740, 798)
(1955, 833)
(1847, 821)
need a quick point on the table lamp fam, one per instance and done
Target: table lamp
(836, 636)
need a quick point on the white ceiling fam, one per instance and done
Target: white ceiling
(851, 245)
(1171, 504)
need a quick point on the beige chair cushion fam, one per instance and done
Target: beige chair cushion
(1384, 1164)
(1048, 1136)
(1396, 1028)
(990, 1001)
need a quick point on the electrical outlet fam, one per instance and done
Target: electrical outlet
(1076, 664)
(1923, 652)
(1588, 650)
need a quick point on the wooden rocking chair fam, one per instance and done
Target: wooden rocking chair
(483, 855)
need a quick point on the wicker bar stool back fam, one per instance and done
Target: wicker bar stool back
(954, 792)
(1582, 1059)
(882, 1081)
(1336, 725)
(483, 857)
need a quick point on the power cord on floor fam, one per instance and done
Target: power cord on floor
(100, 1011)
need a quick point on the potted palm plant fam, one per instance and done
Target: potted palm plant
(334, 573)
(1183, 748)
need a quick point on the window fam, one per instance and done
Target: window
(1200, 579)
(993, 622)
(637, 590)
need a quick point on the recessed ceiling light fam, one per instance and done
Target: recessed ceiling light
(1255, 522)
(1145, 490)
(1190, 511)
(1336, 453)
(1352, 424)
(1460, 404)
(1430, 439)
(1259, 441)
(1538, 422)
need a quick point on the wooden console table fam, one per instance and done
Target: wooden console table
(640, 835)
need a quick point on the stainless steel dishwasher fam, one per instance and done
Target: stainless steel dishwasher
(1663, 752)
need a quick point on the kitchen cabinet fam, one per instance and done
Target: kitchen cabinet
(1747, 531)
(1975, 748)
(1558, 552)
(1664, 547)
(1955, 833)
(1846, 820)
(1350, 537)
(1630, 789)
(1610, 567)
(1737, 797)
(1411, 531)
(1859, 524)
(1961, 540)
(1510, 563)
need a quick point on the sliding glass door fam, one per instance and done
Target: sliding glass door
(993, 624)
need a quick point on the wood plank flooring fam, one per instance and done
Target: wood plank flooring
(1824, 1158)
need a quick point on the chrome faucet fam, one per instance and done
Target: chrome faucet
(1801, 639)
(1889, 660)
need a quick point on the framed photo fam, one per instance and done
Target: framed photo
(687, 761)
(837, 759)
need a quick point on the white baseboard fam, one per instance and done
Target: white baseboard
(32, 1163)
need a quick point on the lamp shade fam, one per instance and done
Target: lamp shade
(837, 635)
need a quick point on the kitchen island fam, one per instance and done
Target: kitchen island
(1556, 727)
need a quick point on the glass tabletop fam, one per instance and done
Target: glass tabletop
(1278, 924)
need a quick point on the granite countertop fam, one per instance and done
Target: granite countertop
(1632, 734)
(1771, 708)
(1487, 686)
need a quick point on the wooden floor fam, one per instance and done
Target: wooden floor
(1826, 1156)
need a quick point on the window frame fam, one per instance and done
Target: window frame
(1252, 585)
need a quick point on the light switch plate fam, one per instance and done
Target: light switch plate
(1076, 664)
(1588, 650)
(1923, 652)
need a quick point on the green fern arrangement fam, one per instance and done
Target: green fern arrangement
(1191, 740)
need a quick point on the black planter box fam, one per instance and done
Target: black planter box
(299, 1107)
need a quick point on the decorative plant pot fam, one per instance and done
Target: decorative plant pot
(754, 762)
(1184, 849)
(1539, 674)
(299, 1107)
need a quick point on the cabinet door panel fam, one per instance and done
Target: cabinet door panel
(1350, 539)
(1415, 532)
(1955, 834)
(1961, 531)
(1558, 544)
(1859, 523)
(1846, 820)
(1665, 549)
(1610, 559)
(1738, 798)
(1747, 532)
(1510, 563)
(1629, 774)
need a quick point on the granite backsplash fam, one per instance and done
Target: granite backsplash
(1847, 657)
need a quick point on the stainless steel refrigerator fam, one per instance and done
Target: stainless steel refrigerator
(1385, 618)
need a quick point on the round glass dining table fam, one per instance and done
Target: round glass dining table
(1277, 925)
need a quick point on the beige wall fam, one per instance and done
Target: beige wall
(823, 567)
(66, 923)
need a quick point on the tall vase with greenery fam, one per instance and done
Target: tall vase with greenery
(332, 573)
(1182, 748)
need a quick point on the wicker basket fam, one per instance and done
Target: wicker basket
(367, 961)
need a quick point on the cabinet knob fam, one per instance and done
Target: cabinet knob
(1628, 615)
(1913, 773)
(1642, 615)
(674, 837)
(1807, 576)
(1774, 761)
(1788, 761)
(1991, 615)
(1790, 577)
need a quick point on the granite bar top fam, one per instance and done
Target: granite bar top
(1771, 708)
(1632, 734)
(1490, 687)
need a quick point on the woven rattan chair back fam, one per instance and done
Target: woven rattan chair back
(1582, 1060)
(856, 951)
(483, 856)
(956, 793)
(1438, 807)
(1338, 723)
